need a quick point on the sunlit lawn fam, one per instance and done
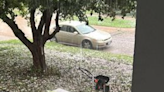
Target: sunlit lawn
(107, 21)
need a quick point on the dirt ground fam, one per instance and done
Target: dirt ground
(6, 32)
(123, 38)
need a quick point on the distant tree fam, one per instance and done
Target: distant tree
(66, 9)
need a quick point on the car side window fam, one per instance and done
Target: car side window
(68, 29)
(64, 28)
(71, 29)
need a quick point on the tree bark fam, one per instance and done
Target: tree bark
(38, 42)
(39, 56)
(40, 39)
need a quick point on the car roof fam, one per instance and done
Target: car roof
(72, 23)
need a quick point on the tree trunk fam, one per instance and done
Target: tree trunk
(39, 57)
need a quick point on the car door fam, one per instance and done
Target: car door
(71, 35)
(74, 35)
(68, 34)
(61, 35)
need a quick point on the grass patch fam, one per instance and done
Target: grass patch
(76, 50)
(11, 42)
(120, 23)
(109, 23)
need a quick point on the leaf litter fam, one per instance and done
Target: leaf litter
(16, 74)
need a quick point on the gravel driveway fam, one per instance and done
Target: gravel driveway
(123, 38)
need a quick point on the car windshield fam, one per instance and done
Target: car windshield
(85, 29)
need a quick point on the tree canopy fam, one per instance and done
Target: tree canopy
(68, 8)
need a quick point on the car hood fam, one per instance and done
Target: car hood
(98, 35)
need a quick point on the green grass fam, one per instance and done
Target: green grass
(12, 42)
(118, 12)
(76, 50)
(120, 23)
(109, 23)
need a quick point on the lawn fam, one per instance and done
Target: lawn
(16, 74)
(119, 23)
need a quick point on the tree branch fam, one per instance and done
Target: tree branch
(32, 19)
(18, 33)
(32, 22)
(42, 22)
(57, 29)
(47, 24)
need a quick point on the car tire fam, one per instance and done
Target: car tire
(87, 44)
(54, 39)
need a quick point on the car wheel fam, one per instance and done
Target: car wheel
(53, 39)
(87, 44)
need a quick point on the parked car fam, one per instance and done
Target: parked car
(79, 34)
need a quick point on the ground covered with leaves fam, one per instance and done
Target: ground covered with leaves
(16, 74)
